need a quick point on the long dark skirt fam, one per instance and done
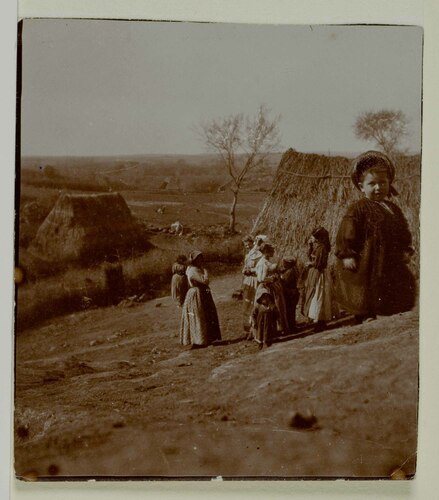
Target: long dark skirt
(291, 301)
(279, 299)
(265, 328)
(362, 293)
(179, 288)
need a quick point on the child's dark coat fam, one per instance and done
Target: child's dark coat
(378, 238)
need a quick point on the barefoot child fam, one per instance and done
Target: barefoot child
(264, 317)
(179, 283)
(374, 245)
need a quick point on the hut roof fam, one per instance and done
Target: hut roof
(311, 190)
(87, 227)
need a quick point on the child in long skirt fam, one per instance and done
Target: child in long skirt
(317, 304)
(179, 282)
(250, 282)
(374, 245)
(264, 317)
(289, 277)
(267, 273)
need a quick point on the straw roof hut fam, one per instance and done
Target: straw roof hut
(311, 190)
(87, 228)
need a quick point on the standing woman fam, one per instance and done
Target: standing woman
(250, 282)
(199, 319)
(318, 297)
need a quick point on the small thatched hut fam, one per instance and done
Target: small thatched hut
(87, 228)
(311, 190)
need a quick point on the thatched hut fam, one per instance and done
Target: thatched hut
(311, 190)
(88, 227)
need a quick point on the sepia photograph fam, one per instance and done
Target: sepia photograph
(217, 249)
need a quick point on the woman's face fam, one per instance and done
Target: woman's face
(248, 244)
(375, 186)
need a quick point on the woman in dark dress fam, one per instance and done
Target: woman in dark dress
(374, 245)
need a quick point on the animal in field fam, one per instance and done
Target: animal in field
(177, 228)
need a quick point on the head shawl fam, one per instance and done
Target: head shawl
(261, 237)
(371, 159)
(322, 236)
(288, 261)
(194, 255)
(261, 290)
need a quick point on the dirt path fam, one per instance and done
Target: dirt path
(111, 392)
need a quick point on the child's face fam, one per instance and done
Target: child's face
(266, 300)
(268, 254)
(199, 261)
(375, 186)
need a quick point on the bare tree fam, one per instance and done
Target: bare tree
(385, 127)
(243, 143)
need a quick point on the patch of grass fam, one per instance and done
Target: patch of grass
(148, 274)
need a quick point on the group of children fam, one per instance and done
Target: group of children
(373, 247)
(271, 291)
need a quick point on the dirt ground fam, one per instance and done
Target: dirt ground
(110, 392)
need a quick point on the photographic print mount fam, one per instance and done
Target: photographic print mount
(98, 356)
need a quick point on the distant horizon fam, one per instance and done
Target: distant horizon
(182, 155)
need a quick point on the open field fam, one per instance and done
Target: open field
(188, 173)
(195, 210)
(144, 204)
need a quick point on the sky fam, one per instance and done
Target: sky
(119, 88)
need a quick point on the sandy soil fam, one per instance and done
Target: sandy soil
(110, 392)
